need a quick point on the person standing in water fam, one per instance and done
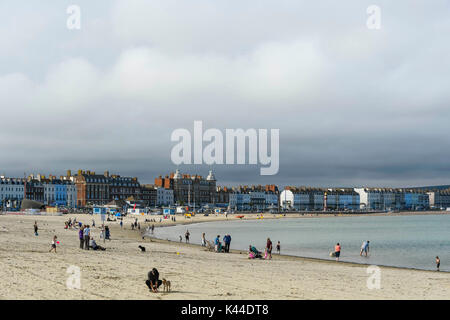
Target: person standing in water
(438, 263)
(186, 235)
(337, 251)
(365, 248)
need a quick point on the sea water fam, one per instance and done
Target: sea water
(401, 241)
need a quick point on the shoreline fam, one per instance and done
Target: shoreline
(269, 216)
(287, 257)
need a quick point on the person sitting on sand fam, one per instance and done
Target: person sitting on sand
(94, 245)
(253, 252)
(153, 281)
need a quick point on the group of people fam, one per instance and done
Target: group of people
(88, 242)
(218, 247)
(135, 225)
(69, 224)
(253, 253)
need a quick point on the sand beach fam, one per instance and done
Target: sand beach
(29, 271)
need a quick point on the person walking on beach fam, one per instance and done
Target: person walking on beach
(81, 237)
(153, 228)
(121, 224)
(337, 251)
(35, 228)
(186, 235)
(203, 240)
(269, 248)
(53, 244)
(438, 263)
(87, 235)
(181, 239)
(278, 247)
(93, 223)
(365, 248)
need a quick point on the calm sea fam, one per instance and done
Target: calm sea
(402, 241)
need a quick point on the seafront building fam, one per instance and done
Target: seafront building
(254, 198)
(88, 189)
(319, 199)
(11, 192)
(393, 199)
(190, 190)
(154, 196)
(439, 198)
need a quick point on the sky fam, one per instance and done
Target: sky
(355, 106)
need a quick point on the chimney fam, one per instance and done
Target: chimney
(106, 173)
(69, 173)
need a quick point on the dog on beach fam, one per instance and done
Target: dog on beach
(166, 284)
(142, 248)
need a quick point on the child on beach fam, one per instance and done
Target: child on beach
(337, 251)
(279, 247)
(53, 244)
(438, 263)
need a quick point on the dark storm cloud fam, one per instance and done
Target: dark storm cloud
(354, 106)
